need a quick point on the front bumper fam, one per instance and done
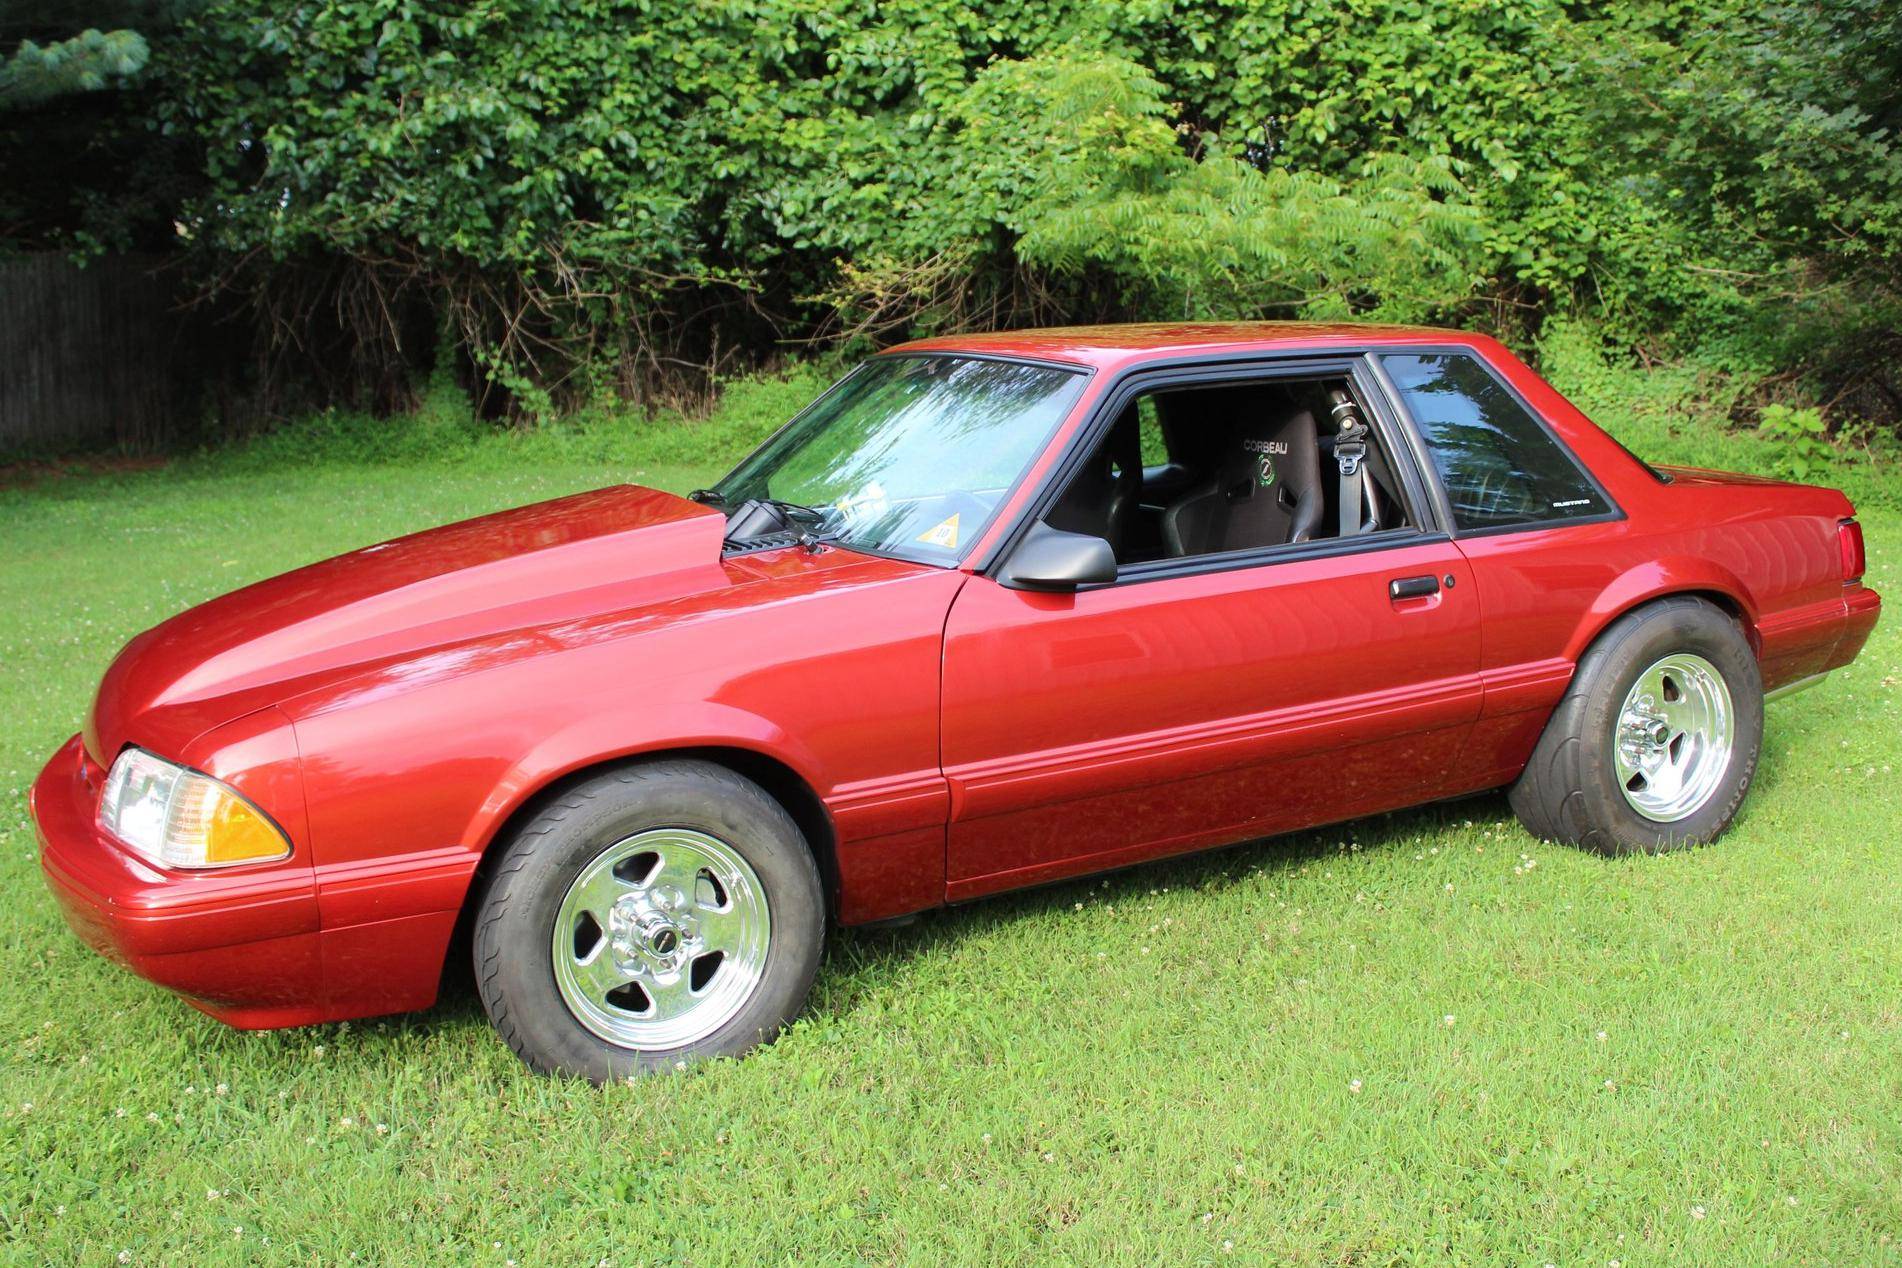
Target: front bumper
(240, 944)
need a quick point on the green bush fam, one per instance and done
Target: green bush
(1802, 453)
(564, 181)
(566, 194)
(1683, 413)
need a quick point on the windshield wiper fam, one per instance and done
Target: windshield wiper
(769, 520)
(707, 497)
(796, 511)
(813, 538)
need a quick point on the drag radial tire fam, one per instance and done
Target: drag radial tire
(1656, 741)
(648, 915)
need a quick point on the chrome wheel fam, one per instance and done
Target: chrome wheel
(661, 939)
(1674, 737)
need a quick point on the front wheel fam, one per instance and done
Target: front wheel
(1656, 741)
(648, 915)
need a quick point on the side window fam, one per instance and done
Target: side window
(1155, 450)
(1499, 464)
(1211, 470)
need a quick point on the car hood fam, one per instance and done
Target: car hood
(612, 548)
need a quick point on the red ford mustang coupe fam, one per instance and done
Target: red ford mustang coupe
(992, 612)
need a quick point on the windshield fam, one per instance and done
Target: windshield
(909, 456)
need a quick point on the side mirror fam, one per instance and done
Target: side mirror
(1051, 559)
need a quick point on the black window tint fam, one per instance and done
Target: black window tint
(1498, 463)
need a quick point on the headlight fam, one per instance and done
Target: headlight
(180, 818)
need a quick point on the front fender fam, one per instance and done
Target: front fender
(597, 739)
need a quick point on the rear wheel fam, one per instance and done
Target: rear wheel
(651, 914)
(1656, 741)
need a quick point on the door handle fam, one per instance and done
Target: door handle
(1412, 588)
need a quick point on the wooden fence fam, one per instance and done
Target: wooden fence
(98, 357)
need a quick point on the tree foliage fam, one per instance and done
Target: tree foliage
(81, 167)
(1763, 142)
(87, 62)
(1080, 165)
(572, 193)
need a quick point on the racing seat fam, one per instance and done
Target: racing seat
(1263, 486)
(1104, 495)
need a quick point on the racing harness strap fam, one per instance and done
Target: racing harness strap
(1350, 450)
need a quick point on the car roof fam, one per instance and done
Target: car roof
(1119, 345)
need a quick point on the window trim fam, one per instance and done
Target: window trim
(1416, 491)
(1423, 456)
(1085, 372)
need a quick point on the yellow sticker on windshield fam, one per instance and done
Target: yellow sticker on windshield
(945, 534)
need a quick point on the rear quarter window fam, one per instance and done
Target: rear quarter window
(1499, 464)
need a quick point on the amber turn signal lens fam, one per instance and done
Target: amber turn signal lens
(213, 826)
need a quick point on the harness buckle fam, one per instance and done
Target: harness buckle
(1349, 449)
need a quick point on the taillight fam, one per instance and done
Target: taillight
(1849, 536)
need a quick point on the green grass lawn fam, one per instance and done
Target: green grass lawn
(1422, 1038)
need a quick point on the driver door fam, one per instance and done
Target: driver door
(1202, 700)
